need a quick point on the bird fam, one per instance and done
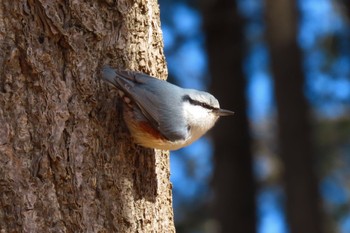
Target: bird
(161, 115)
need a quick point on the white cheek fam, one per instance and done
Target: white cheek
(200, 119)
(195, 112)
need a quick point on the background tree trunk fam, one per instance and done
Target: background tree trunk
(233, 181)
(67, 163)
(295, 144)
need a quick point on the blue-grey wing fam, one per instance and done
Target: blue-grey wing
(153, 97)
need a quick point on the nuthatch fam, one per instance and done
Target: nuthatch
(160, 114)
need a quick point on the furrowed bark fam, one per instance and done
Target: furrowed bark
(67, 162)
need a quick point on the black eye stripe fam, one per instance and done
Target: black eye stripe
(195, 102)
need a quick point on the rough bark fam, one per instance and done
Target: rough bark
(233, 181)
(67, 162)
(295, 144)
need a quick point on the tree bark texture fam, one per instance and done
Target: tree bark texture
(233, 181)
(67, 162)
(303, 204)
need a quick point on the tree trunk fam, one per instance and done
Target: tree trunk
(233, 182)
(295, 144)
(67, 162)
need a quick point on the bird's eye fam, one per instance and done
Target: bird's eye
(198, 103)
(204, 105)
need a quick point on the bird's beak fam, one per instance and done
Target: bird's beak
(224, 112)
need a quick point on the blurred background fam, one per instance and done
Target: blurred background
(282, 163)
